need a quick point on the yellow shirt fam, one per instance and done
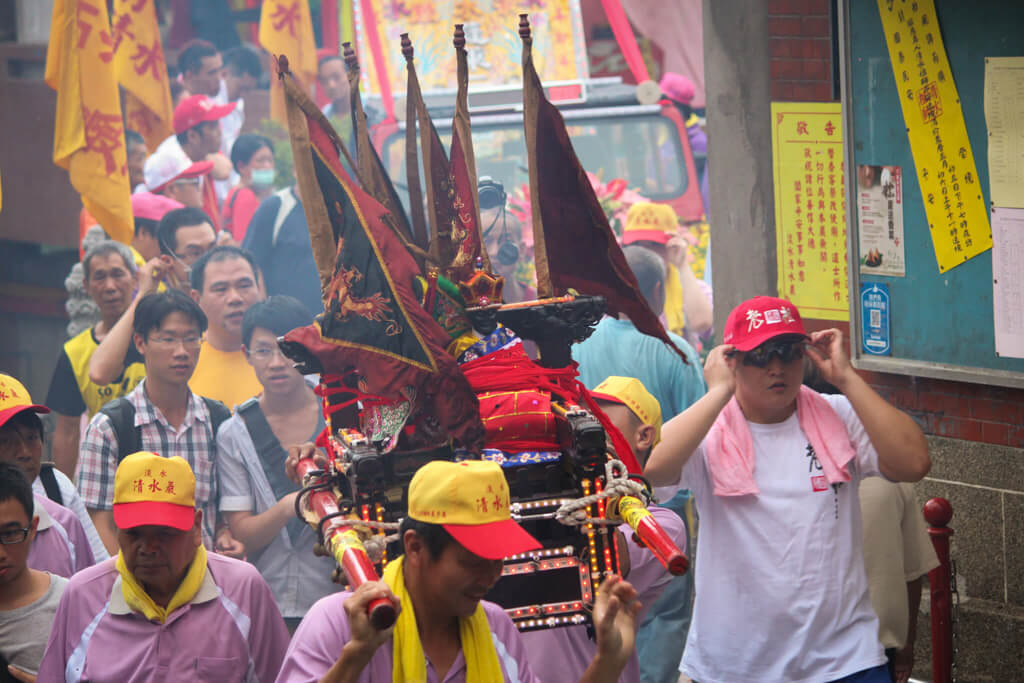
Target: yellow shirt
(72, 374)
(225, 376)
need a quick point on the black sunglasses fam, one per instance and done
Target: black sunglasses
(787, 351)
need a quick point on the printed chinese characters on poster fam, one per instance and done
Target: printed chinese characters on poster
(493, 48)
(810, 208)
(953, 203)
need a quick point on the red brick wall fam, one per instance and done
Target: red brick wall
(958, 410)
(800, 43)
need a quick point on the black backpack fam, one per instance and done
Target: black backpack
(50, 484)
(129, 437)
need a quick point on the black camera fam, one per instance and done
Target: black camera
(491, 193)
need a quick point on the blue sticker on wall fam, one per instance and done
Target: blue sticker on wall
(874, 306)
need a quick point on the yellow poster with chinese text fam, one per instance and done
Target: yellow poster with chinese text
(493, 47)
(810, 208)
(946, 172)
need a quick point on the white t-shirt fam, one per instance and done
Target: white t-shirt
(72, 500)
(781, 589)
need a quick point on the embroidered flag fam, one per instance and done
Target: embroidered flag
(372, 321)
(369, 168)
(466, 236)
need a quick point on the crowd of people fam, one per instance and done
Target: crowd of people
(161, 542)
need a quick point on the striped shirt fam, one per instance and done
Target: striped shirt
(193, 440)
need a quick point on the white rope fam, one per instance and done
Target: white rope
(617, 483)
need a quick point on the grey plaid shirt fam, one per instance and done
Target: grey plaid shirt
(194, 441)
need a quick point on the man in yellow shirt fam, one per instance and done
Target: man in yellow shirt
(225, 284)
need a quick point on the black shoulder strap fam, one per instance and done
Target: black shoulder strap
(271, 455)
(219, 413)
(50, 484)
(122, 419)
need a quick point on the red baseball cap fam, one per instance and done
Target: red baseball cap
(14, 399)
(197, 109)
(757, 320)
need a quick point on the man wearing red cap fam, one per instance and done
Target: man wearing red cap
(170, 173)
(163, 609)
(455, 535)
(775, 467)
(197, 129)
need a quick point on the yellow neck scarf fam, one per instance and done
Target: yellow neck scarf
(138, 599)
(674, 301)
(409, 664)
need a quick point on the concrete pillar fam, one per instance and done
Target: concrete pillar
(742, 211)
(34, 20)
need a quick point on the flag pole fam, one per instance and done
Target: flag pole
(531, 101)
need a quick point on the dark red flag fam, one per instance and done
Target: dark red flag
(574, 246)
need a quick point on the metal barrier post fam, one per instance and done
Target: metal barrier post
(938, 512)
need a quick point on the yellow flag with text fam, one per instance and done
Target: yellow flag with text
(88, 138)
(286, 28)
(141, 70)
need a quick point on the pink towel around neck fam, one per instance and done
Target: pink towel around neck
(729, 445)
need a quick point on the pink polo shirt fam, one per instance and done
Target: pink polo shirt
(563, 654)
(230, 631)
(60, 546)
(317, 644)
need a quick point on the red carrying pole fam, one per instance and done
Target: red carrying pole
(633, 512)
(938, 512)
(343, 542)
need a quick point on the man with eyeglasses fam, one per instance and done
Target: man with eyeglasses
(776, 467)
(225, 283)
(184, 235)
(256, 496)
(170, 173)
(161, 414)
(28, 597)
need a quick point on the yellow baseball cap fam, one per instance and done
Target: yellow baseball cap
(650, 222)
(470, 500)
(14, 399)
(631, 392)
(153, 490)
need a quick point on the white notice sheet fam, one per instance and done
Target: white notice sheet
(1008, 280)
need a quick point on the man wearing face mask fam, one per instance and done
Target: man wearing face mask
(278, 240)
